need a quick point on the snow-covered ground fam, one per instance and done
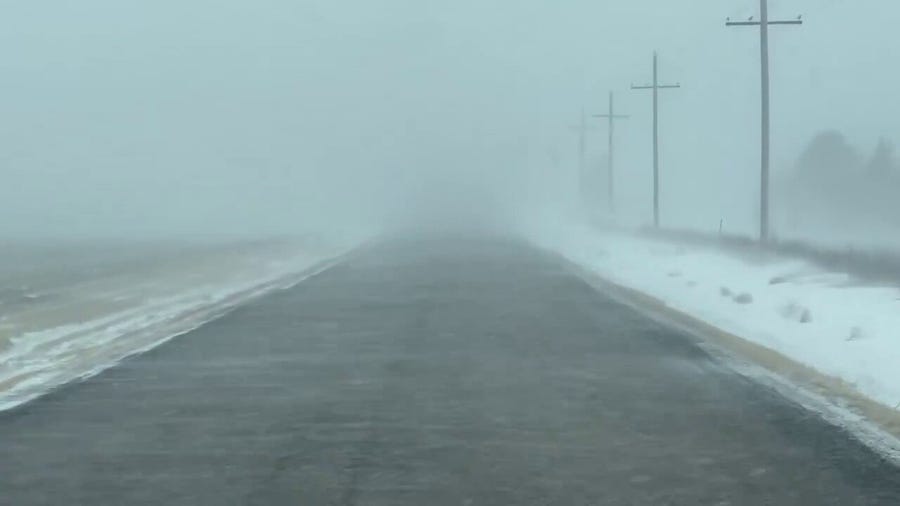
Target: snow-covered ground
(83, 325)
(829, 321)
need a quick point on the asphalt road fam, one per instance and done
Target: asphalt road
(432, 372)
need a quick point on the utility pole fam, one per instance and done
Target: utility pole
(610, 179)
(655, 87)
(582, 130)
(763, 25)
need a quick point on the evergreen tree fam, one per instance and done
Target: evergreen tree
(828, 157)
(882, 164)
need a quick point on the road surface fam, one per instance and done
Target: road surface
(432, 372)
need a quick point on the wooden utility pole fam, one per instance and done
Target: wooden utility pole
(655, 87)
(610, 176)
(582, 130)
(763, 25)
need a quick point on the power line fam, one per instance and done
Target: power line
(655, 87)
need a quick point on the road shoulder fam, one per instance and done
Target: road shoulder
(838, 402)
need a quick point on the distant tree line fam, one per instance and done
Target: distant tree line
(834, 182)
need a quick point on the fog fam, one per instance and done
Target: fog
(127, 118)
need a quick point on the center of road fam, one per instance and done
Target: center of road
(429, 371)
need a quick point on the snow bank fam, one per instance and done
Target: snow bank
(825, 320)
(34, 362)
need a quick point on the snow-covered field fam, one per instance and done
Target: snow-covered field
(829, 321)
(77, 324)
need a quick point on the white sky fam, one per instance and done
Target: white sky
(227, 116)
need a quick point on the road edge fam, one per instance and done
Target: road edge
(250, 295)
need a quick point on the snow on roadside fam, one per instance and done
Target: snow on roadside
(33, 363)
(825, 320)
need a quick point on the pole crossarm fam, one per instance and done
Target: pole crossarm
(659, 86)
(759, 23)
